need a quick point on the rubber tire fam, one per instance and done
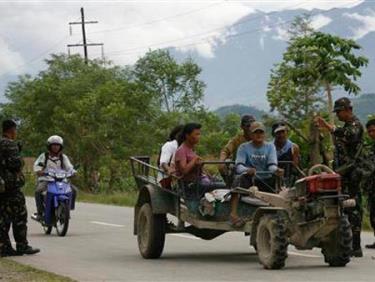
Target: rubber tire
(151, 232)
(66, 212)
(272, 241)
(337, 251)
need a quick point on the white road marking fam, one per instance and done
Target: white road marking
(303, 255)
(107, 224)
(185, 236)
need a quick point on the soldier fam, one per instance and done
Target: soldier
(348, 141)
(366, 171)
(12, 201)
(230, 149)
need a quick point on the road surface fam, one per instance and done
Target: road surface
(100, 247)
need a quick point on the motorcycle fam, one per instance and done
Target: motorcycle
(58, 202)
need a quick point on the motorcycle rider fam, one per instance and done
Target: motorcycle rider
(51, 160)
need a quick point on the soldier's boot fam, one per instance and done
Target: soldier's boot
(27, 250)
(370, 246)
(357, 250)
(8, 251)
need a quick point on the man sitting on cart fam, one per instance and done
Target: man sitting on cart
(230, 149)
(288, 153)
(256, 160)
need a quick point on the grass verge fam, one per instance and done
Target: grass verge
(119, 199)
(15, 272)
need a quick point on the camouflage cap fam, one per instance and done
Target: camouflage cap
(342, 104)
(247, 120)
(257, 126)
(8, 124)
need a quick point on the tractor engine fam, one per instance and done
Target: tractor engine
(316, 193)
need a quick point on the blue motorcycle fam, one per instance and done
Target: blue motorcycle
(58, 202)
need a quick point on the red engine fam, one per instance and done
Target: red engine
(323, 183)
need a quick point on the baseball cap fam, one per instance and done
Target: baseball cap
(247, 119)
(342, 104)
(256, 125)
(280, 127)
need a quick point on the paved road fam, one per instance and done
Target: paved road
(100, 247)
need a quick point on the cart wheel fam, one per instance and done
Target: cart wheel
(151, 232)
(272, 241)
(337, 250)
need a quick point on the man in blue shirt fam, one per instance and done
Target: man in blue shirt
(254, 159)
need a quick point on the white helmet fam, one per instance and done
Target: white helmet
(55, 139)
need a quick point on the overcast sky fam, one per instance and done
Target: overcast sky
(30, 30)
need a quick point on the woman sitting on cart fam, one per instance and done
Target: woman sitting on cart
(188, 163)
(256, 160)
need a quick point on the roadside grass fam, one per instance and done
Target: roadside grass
(126, 199)
(118, 198)
(15, 272)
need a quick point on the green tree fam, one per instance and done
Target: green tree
(106, 113)
(313, 64)
(103, 116)
(177, 86)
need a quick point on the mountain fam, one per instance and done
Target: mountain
(241, 110)
(364, 106)
(240, 69)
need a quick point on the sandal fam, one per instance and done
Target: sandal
(237, 222)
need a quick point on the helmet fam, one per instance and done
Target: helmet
(55, 139)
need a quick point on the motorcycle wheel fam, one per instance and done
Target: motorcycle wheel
(62, 218)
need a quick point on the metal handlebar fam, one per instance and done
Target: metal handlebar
(322, 167)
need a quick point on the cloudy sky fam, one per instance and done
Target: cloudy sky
(30, 30)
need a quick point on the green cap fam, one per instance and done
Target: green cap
(342, 104)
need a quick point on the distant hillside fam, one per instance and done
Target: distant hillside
(364, 106)
(239, 71)
(241, 110)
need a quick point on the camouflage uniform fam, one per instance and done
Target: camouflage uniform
(365, 169)
(230, 149)
(348, 141)
(12, 201)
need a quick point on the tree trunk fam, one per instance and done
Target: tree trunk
(330, 103)
(112, 176)
(329, 152)
(315, 157)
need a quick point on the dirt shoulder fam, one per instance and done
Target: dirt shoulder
(14, 272)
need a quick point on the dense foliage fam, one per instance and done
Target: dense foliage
(106, 113)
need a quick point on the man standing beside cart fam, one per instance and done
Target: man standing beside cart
(348, 141)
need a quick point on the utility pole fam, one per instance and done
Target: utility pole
(84, 41)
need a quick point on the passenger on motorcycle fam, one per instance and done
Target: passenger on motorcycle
(53, 159)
